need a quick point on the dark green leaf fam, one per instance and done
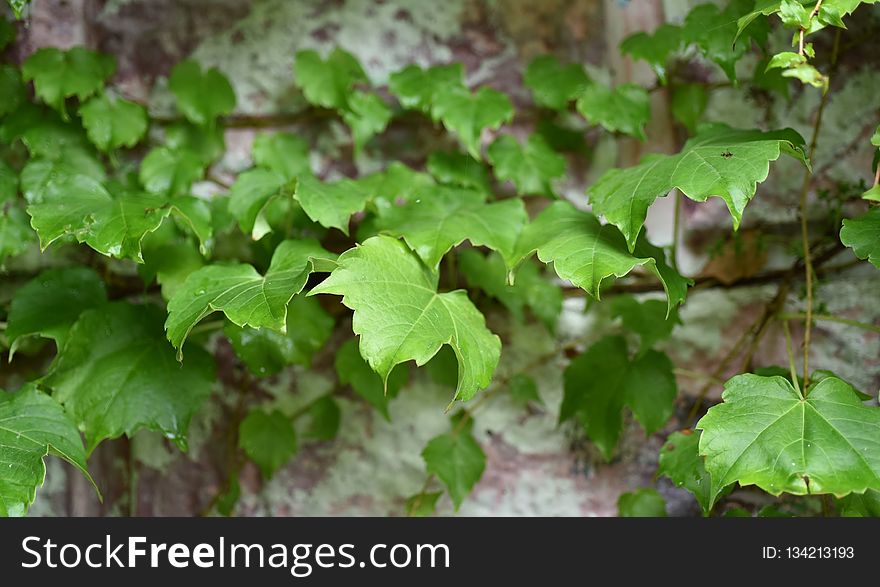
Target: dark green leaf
(351, 369)
(554, 84)
(457, 460)
(531, 167)
(642, 503)
(202, 96)
(268, 439)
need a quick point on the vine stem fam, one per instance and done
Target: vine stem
(790, 353)
(676, 230)
(830, 318)
(805, 231)
(814, 12)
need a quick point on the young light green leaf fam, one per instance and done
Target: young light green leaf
(327, 82)
(282, 153)
(171, 173)
(416, 88)
(654, 48)
(202, 96)
(18, 6)
(585, 252)
(8, 183)
(531, 167)
(642, 503)
(602, 380)
(720, 162)
(400, 316)
(367, 115)
(116, 374)
(764, 433)
(457, 460)
(807, 74)
(114, 225)
(49, 304)
(330, 204)
(32, 427)
(458, 169)
(268, 439)
(351, 369)
(554, 84)
(239, 291)
(467, 114)
(626, 108)
(794, 15)
(58, 75)
(266, 352)
(680, 460)
(649, 319)
(862, 235)
(112, 122)
(443, 217)
(785, 60)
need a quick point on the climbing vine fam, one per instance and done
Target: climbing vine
(138, 275)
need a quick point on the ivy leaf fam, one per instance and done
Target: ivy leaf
(834, 11)
(523, 389)
(168, 172)
(681, 462)
(58, 75)
(367, 115)
(195, 214)
(112, 122)
(416, 88)
(327, 82)
(689, 102)
(649, 319)
(720, 161)
(602, 380)
(794, 15)
(12, 92)
(43, 176)
(395, 182)
(531, 167)
(266, 352)
(422, 504)
(457, 460)
(400, 316)
(330, 204)
(201, 96)
(15, 233)
(205, 144)
(458, 169)
(324, 417)
(531, 288)
(765, 434)
(443, 217)
(864, 505)
(351, 369)
(642, 503)
(116, 374)
(32, 427)
(715, 32)
(170, 264)
(554, 84)
(654, 48)
(239, 291)
(467, 114)
(113, 225)
(49, 304)
(282, 153)
(18, 7)
(585, 252)
(268, 439)
(251, 194)
(862, 235)
(626, 108)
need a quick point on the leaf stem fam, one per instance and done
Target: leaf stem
(790, 353)
(676, 231)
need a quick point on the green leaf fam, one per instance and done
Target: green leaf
(715, 32)
(195, 214)
(327, 82)
(266, 352)
(531, 167)
(250, 196)
(654, 48)
(400, 316)
(351, 369)
(467, 114)
(168, 172)
(12, 92)
(554, 84)
(112, 122)
(765, 434)
(648, 319)
(457, 460)
(523, 389)
(113, 225)
(395, 182)
(283, 153)
(170, 264)
(330, 204)
(681, 462)
(18, 7)
(585, 252)
(794, 15)
(239, 291)
(531, 288)
(15, 232)
(873, 194)
(442, 217)
(58, 75)
(688, 104)
(7, 33)
(32, 427)
(116, 374)
(626, 108)
(807, 74)
(720, 162)
(202, 96)
(864, 505)
(367, 115)
(862, 235)
(205, 144)
(268, 439)
(642, 503)
(44, 177)
(422, 504)
(324, 417)
(602, 380)
(458, 169)
(49, 304)
(8, 183)
(785, 60)
(416, 88)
